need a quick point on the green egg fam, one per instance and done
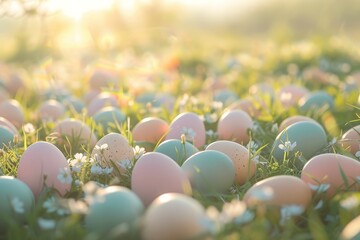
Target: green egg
(309, 138)
(177, 150)
(112, 208)
(210, 171)
(316, 101)
(16, 201)
(109, 117)
(6, 137)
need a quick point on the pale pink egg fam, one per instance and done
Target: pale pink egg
(51, 110)
(100, 101)
(336, 172)
(246, 105)
(74, 130)
(191, 126)
(155, 174)
(9, 125)
(294, 119)
(90, 95)
(43, 164)
(290, 95)
(102, 79)
(351, 140)
(4, 95)
(150, 130)
(14, 83)
(233, 126)
(12, 111)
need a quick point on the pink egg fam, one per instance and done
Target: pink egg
(102, 79)
(4, 95)
(74, 130)
(294, 119)
(191, 126)
(100, 101)
(150, 130)
(9, 125)
(351, 140)
(155, 174)
(14, 83)
(43, 164)
(246, 105)
(233, 126)
(51, 110)
(90, 95)
(290, 95)
(12, 111)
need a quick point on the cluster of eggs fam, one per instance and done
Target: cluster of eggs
(178, 162)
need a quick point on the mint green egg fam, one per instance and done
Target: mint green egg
(316, 101)
(109, 117)
(16, 200)
(210, 171)
(6, 136)
(309, 138)
(177, 150)
(113, 206)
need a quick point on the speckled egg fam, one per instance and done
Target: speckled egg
(279, 191)
(177, 150)
(150, 129)
(309, 138)
(338, 171)
(112, 207)
(210, 171)
(155, 174)
(351, 140)
(191, 126)
(173, 216)
(12, 111)
(294, 119)
(6, 137)
(51, 110)
(14, 193)
(75, 131)
(43, 164)
(233, 125)
(100, 101)
(109, 118)
(244, 167)
(316, 101)
(117, 151)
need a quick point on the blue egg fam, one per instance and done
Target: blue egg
(316, 101)
(109, 118)
(6, 137)
(177, 150)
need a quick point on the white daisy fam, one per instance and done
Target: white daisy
(102, 147)
(287, 146)
(64, 176)
(289, 211)
(321, 188)
(189, 133)
(29, 128)
(138, 152)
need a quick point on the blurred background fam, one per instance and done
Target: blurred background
(36, 31)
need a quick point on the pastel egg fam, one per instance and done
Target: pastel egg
(339, 171)
(4, 95)
(102, 79)
(112, 207)
(150, 129)
(233, 125)
(246, 105)
(51, 110)
(173, 216)
(13, 192)
(316, 101)
(290, 95)
(6, 123)
(225, 96)
(43, 164)
(90, 95)
(262, 89)
(244, 167)
(73, 104)
(57, 93)
(100, 101)
(351, 230)
(294, 119)
(210, 171)
(279, 191)
(6, 137)
(14, 83)
(155, 174)
(351, 140)
(12, 111)
(109, 118)
(74, 130)
(309, 138)
(177, 150)
(191, 126)
(117, 151)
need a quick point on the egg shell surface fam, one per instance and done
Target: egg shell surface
(177, 150)
(150, 129)
(12, 111)
(351, 140)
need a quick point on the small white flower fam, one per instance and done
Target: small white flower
(350, 203)
(17, 205)
(319, 205)
(64, 176)
(107, 170)
(323, 187)
(138, 152)
(262, 194)
(217, 105)
(211, 220)
(256, 159)
(102, 147)
(287, 146)
(46, 224)
(52, 205)
(285, 96)
(275, 128)
(333, 141)
(29, 128)
(210, 118)
(357, 154)
(253, 146)
(236, 211)
(77, 163)
(78, 183)
(95, 169)
(289, 211)
(126, 164)
(189, 133)
(211, 133)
